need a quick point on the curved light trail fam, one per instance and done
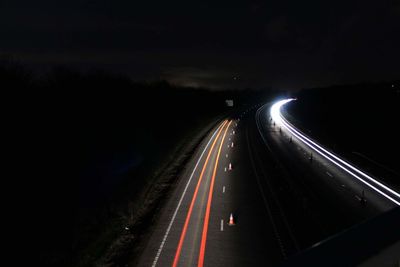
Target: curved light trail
(353, 171)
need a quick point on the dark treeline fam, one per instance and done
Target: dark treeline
(84, 145)
(358, 121)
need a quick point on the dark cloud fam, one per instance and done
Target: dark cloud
(214, 78)
(265, 43)
(278, 29)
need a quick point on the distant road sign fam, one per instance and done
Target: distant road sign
(229, 102)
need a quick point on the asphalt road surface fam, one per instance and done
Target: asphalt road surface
(281, 202)
(252, 238)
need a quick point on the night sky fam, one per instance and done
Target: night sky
(259, 44)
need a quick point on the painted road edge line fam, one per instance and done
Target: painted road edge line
(209, 201)
(194, 197)
(181, 199)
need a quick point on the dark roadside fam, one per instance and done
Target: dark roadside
(358, 122)
(97, 154)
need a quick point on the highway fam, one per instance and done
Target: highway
(319, 197)
(193, 228)
(365, 179)
(189, 219)
(281, 201)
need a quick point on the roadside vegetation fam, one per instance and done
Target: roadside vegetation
(97, 154)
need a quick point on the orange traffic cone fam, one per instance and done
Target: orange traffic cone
(231, 222)
(230, 166)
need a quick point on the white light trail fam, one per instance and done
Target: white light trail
(378, 186)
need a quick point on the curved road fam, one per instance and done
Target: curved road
(281, 201)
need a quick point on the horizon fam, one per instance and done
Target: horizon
(216, 45)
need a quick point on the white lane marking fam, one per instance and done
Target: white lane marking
(226, 155)
(329, 174)
(225, 169)
(223, 189)
(222, 225)
(180, 202)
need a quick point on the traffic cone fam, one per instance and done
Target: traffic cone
(230, 166)
(231, 222)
